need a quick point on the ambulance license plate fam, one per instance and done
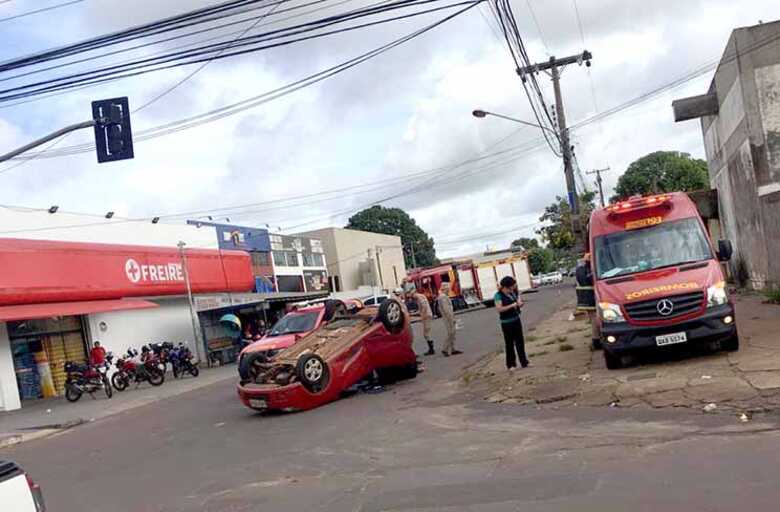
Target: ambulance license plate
(258, 403)
(671, 339)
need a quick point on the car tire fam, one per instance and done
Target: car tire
(313, 372)
(246, 366)
(595, 344)
(333, 309)
(613, 361)
(408, 371)
(392, 316)
(731, 344)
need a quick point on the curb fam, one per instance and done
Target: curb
(15, 439)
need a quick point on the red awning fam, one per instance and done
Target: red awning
(33, 311)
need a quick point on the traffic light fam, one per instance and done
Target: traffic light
(113, 136)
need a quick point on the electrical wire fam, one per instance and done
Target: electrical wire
(538, 27)
(38, 11)
(584, 45)
(266, 97)
(171, 60)
(200, 68)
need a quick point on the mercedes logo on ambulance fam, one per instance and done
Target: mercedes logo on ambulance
(665, 307)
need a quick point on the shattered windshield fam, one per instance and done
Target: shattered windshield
(663, 245)
(294, 323)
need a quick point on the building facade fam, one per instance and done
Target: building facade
(359, 258)
(740, 121)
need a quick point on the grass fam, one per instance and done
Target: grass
(565, 347)
(773, 295)
(561, 339)
(540, 353)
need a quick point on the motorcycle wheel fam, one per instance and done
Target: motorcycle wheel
(119, 381)
(156, 377)
(107, 387)
(194, 371)
(72, 393)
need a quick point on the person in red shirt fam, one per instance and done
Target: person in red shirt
(97, 356)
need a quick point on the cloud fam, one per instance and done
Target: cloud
(405, 112)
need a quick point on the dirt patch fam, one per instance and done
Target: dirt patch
(566, 371)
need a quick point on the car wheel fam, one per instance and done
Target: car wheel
(313, 372)
(731, 344)
(334, 308)
(595, 343)
(613, 361)
(391, 314)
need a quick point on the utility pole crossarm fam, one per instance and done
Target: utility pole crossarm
(585, 57)
(598, 172)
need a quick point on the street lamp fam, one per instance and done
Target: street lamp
(483, 113)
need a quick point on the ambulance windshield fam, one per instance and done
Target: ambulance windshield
(662, 245)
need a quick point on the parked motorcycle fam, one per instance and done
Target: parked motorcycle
(129, 370)
(85, 378)
(181, 359)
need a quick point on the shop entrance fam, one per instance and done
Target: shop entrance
(40, 350)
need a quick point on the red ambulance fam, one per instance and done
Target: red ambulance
(657, 278)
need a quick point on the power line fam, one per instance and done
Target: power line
(582, 38)
(538, 26)
(266, 97)
(38, 11)
(200, 68)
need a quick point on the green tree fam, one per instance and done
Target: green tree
(557, 232)
(525, 243)
(662, 171)
(541, 260)
(395, 221)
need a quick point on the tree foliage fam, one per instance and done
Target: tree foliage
(558, 233)
(541, 260)
(395, 221)
(525, 243)
(662, 171)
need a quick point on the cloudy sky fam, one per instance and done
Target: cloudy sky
(398, 125)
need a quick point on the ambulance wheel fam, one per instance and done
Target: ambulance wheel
(313, 372)
(731, 344)
(613, 361)
(334, 308)
(391, 314)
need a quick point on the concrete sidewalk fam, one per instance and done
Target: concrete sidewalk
(50, 416)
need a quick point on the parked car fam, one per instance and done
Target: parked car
(552, 278)
(290, 328)
(18, 492)
(354, 345)
(536, 281)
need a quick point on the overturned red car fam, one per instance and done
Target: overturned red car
(354, 344)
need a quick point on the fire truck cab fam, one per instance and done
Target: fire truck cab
(657, 278)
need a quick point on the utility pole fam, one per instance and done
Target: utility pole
(598, 172)
(554, 66)
(186, 273)
(411, 251)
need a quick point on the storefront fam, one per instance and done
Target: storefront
(57, 298)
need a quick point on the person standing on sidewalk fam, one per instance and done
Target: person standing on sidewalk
(426, 317)
(508, 305)
(448, 315)
(97, 356)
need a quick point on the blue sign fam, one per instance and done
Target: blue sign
(239, 238)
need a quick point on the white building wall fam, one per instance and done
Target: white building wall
(9, 391)
(346, 249)
(123, 329)
(68, 227)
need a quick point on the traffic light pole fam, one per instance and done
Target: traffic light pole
(47, 138)
(554, 66)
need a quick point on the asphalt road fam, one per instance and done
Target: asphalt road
(421, 445)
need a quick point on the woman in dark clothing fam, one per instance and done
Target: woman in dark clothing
(508, 304)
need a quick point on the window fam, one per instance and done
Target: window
(285, 259)
(260, 259)
(289, 283)
(662, 245)
(313, 260)
(294, 323)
